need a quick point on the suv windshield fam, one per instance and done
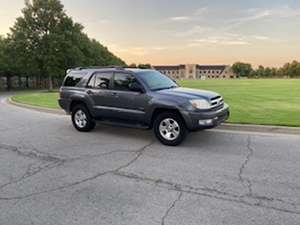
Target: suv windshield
(157, 81)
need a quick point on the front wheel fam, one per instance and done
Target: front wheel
(82, 120)
(170, 129)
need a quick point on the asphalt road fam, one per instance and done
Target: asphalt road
(52, 175)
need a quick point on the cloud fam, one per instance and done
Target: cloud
(281, 12)
(104, 21)
(137, 50)
(217, 41)
(180, 19)
(262, 38)
(257, 14)
(234, 43)
(194, 30)
(201, 11)
(193, 17)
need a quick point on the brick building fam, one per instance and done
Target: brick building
(196, 71)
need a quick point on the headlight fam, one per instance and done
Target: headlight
(200, 104)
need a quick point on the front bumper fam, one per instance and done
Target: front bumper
(206, 119)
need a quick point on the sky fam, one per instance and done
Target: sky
(186, 31)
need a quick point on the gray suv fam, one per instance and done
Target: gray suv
(139, 98)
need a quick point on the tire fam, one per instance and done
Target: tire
(170, 129)
(82, 119)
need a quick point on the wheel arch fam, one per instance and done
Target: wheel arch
(159, 110)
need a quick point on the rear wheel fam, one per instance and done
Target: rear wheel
(81, 118)
(170, 128)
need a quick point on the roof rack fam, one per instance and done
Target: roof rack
(96, 67)
(99, 67)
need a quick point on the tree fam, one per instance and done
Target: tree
(37, 33)
(260, 72)
(268, 72)
(132, 65)
(46, 42)
(144, 66)
(294, 69)
(242, 69)
(2, 60)
(7, 61)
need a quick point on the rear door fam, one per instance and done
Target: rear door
(99, 90)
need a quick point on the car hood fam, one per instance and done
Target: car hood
(190, 93)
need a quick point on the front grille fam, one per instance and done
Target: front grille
(219, 107)
(217, 102)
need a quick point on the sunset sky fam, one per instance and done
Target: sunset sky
(186, 31)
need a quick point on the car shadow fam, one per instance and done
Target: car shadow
(194, 139)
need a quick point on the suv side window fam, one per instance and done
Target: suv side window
(100, 81)
(73, 79)
(122, 81)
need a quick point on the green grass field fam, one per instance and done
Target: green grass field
(268, 102)
(47, 100)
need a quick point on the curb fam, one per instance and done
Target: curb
(260, 128)
(225, 126)
(36, 108)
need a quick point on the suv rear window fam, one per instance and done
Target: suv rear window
(73, 79)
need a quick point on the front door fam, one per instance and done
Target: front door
(129, 105)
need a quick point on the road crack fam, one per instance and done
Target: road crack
(172, 206)
(251, 200)
(139, 152)
(254, 201)
(245, 181)
(32, 153)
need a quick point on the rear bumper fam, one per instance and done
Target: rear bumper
(65, 105)
(205, 120)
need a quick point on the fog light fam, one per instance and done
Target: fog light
(205, 122)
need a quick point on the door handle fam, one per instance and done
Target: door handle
(115, 94)
(89, 92)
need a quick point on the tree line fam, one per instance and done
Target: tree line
(44, 42)
(288, 70)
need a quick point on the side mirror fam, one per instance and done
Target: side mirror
(136, 87)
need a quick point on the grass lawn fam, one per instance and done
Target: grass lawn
(47, 100)
(268, 102)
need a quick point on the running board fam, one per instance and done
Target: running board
(122, 124)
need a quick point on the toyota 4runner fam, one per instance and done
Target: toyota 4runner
(139, 98)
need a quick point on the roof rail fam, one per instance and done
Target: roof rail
(99, 67)
(95, 67)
